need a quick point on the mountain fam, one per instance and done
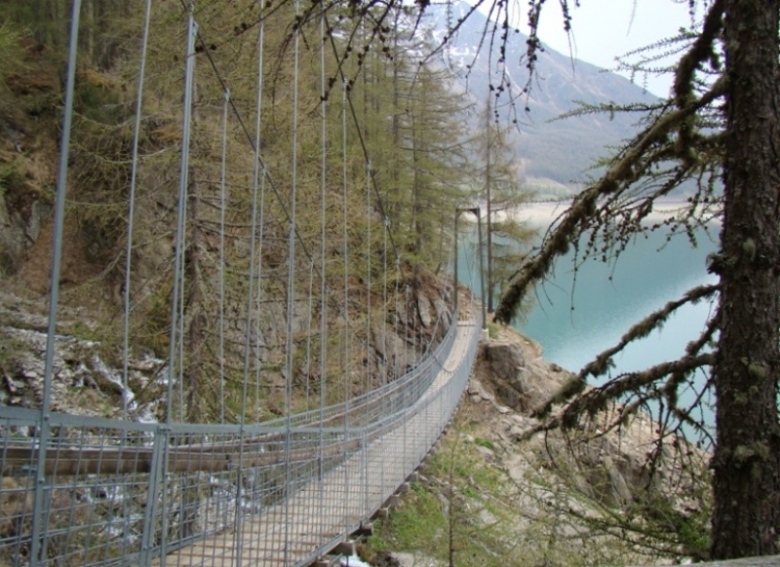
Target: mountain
(554, 153)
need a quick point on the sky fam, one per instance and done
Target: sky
(604, 29)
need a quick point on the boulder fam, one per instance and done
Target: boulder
(504, 358)
(517, 380)
(424, 309)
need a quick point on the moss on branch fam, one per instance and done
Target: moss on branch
(622, 172)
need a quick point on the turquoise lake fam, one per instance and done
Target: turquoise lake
(574, 320)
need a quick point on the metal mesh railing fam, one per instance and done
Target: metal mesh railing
(124, 493)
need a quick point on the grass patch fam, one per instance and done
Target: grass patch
(418, 524)
(470, 510)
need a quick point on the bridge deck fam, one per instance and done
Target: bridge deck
(316, 516)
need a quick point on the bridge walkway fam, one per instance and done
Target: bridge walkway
(317, 516)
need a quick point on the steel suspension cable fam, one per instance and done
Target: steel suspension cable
(345, 223)
(182, 206)
(472, 264)
(222, 205)
(396, 373)
(36, 554)
(180, 338)
(178, 269)
(131, 208)
(385, 368)
(291, 282)
(407, 325)
(260, 288)
(368, 276)
(406, 344)
(384, 298)
(364, 467)
(323, 260)
(291, 288)
(250, 294)
(309, 317)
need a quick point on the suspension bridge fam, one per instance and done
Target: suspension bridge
(310, 359)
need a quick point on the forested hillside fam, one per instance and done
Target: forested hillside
(378, 140)
(404, 142)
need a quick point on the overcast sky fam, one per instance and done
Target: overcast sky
(604, 29)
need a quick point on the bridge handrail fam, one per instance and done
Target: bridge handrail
(111, 463)
(22, 451)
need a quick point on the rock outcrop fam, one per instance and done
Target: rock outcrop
(513, 368)
(618, 467)
(84, 382)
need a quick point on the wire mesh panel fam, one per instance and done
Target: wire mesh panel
(120, 493)
(96, 485)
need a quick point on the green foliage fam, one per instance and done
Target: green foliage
(456, 491)
(11, 52)
(10, 348)
(419, 522)
(549, 514)
(11, 177)
(81, 330)
(499, 177)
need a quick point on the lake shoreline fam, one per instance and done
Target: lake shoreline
(542, 214)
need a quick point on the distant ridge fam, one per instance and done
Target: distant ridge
(556, 155)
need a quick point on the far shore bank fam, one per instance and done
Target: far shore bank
(544, 213)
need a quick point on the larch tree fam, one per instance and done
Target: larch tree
(498, 176)
(432, 160)
(720, 123)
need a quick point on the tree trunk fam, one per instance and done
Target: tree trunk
(747, 456)
(195, 335)
(416, 189)
(489, 215)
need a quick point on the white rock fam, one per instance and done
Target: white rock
(412, 560)
(485, 452)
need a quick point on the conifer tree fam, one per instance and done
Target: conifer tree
(721, 122)
(500, 178)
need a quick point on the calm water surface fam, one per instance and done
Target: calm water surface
(576, 319)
